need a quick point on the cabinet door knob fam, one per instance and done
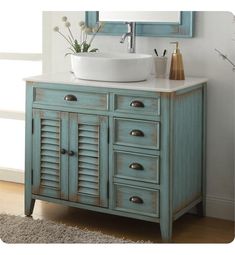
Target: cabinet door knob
(71, 153)
(137, 103)
(70, 98)
(136, 200)
(63, 151)
(136, 132)
(136, 166)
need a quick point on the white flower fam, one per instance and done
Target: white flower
(56, 29)
(83, 27)
(101, 23)
(88, 30)
(64, 18)
(94, 29)
(67, 24)
(81, 23)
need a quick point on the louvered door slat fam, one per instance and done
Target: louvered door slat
(49, 184)
(88, 134)
(51, 135)
(50, 147)
(48, 171)
(49, 141)
(88, 178)
(92, 128)
(49, 153)
(91, 192)
(50, 177)
(88, 171)
(88, 153)
(50, 122)
(86, 166)
(89, 140)
(49, 165)
(89, 160)
(85, 146)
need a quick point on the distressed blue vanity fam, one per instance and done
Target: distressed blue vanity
(130, 149)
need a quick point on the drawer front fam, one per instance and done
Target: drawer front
(137, 200)
(144, 134)
(77, 99)
(140, 105)
(138, 167)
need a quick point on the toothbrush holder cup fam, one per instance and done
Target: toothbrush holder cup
(160, 64)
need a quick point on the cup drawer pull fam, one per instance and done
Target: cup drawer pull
(136, 132)
(136, 166)
(70, 98)
(71, 153)
(63, 151)
(136, 200)
(136, 103)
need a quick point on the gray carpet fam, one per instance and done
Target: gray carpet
(16, 229)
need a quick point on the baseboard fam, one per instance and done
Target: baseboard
(11, 175)
(219, 207)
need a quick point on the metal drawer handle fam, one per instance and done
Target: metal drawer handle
(71, 153)
(136, 200)
(63, 151)
(136, 166)
(70, 98)
(136, 132)
(136, 103)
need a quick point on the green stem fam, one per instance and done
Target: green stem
(70, 33)
(70, 39)
(80, 36)
(65, 38)
(93, 37)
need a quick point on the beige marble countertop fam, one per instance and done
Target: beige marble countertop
(151, 84)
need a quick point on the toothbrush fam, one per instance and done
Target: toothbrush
(155, 52)
(164, 53)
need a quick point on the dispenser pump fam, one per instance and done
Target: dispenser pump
(177, 68)
(176, 50)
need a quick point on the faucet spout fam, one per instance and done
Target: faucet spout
(124, 36)
(131, 36)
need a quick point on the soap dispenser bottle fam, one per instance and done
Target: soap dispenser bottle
(177, 68)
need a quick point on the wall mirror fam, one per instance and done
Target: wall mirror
(156, 23)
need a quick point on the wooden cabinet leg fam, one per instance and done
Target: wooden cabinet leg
(29, 206)
(166, 231)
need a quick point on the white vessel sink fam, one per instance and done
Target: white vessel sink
(114, 67)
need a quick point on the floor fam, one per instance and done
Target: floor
(188, 229)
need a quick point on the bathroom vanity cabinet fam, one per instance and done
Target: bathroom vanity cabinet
(130, 149)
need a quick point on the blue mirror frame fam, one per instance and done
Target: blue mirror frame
(183, 29)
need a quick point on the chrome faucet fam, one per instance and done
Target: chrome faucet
(131, 36)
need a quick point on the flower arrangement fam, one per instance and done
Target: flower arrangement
(87, 35)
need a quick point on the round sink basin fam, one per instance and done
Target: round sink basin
(114, 67)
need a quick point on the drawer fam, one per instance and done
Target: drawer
(136, 200)
(137, 104)
(144, 134)
(85, 100)
(138, 167)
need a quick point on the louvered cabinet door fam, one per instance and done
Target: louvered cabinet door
(50, 166)
(88, 163)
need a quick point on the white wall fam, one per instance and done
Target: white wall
(213, 30)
